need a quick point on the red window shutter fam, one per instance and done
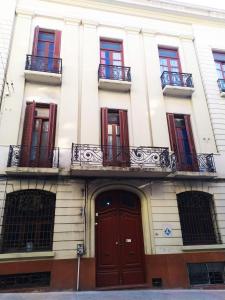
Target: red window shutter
(172, 132)
(27, 134)
(104, 125)
(124, 137)
(104, 129)
(57, 44)
(51, 132)
(35, 42)
(191, 142)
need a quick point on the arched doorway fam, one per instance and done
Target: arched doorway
(119, 239)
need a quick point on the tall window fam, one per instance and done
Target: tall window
(115, 138)
(38, 135)
(111, 59)
(182, 142)
(169, 60)
(197, 218)
(46, 42)
(220, 64)
(28, 221)
(46, 50)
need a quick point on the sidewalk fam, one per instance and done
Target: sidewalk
(122, 295)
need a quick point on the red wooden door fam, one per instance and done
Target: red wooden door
(119, 240)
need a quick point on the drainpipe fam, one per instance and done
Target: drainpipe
(82, 247)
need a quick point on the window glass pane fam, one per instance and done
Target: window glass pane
(173, 63)
(218, 66)
(175, 70)
(198, 274)
(111, 46)
(41, 112)
(46, 36)
(220, 74)
(113, 118)
(117, 63)
(162, 68)
(104, 203)
(219, 56)
(223, 67)
(51, 50)
(117, 55)
(168, 53)
(41, 48)
(216, 272)
(163, 62)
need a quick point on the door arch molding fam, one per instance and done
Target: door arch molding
(145, 215)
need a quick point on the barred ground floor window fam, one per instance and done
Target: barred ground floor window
(198, 218)
(28, 221)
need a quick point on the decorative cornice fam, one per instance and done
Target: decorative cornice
(146, 7)
(72, 21)
(134, 30)
(25, 12)
(89, 23)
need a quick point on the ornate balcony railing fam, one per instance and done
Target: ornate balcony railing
(201, 163)
(40, 157)
(44, 64)
(143, 157)
(114, 72)
(176, 79)
(221, 84)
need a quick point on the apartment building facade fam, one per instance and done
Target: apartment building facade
(112, 147)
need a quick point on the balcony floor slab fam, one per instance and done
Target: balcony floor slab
(43, 77)
(114, 85)
(128, 172)
(178, 91)
(24, 171)
(193, 175)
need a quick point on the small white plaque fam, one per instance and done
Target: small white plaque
(167, 231)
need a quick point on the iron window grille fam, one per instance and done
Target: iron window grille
(25, 280)
(198, 219)
(206, 273)
(28, 221)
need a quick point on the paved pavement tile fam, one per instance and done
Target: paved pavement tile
(121, 295)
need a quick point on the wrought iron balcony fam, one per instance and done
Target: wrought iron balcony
(44, 64)
(176, 79)
(221, 84)
(201, 163)
(35, 157)
(114, 72)
(137, 157)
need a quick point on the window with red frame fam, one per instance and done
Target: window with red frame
(219, 59)
(169, 60)
(111, 53)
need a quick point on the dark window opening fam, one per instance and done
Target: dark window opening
(25, 280)
(197, 218)
(206, 273)
(28, 221)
